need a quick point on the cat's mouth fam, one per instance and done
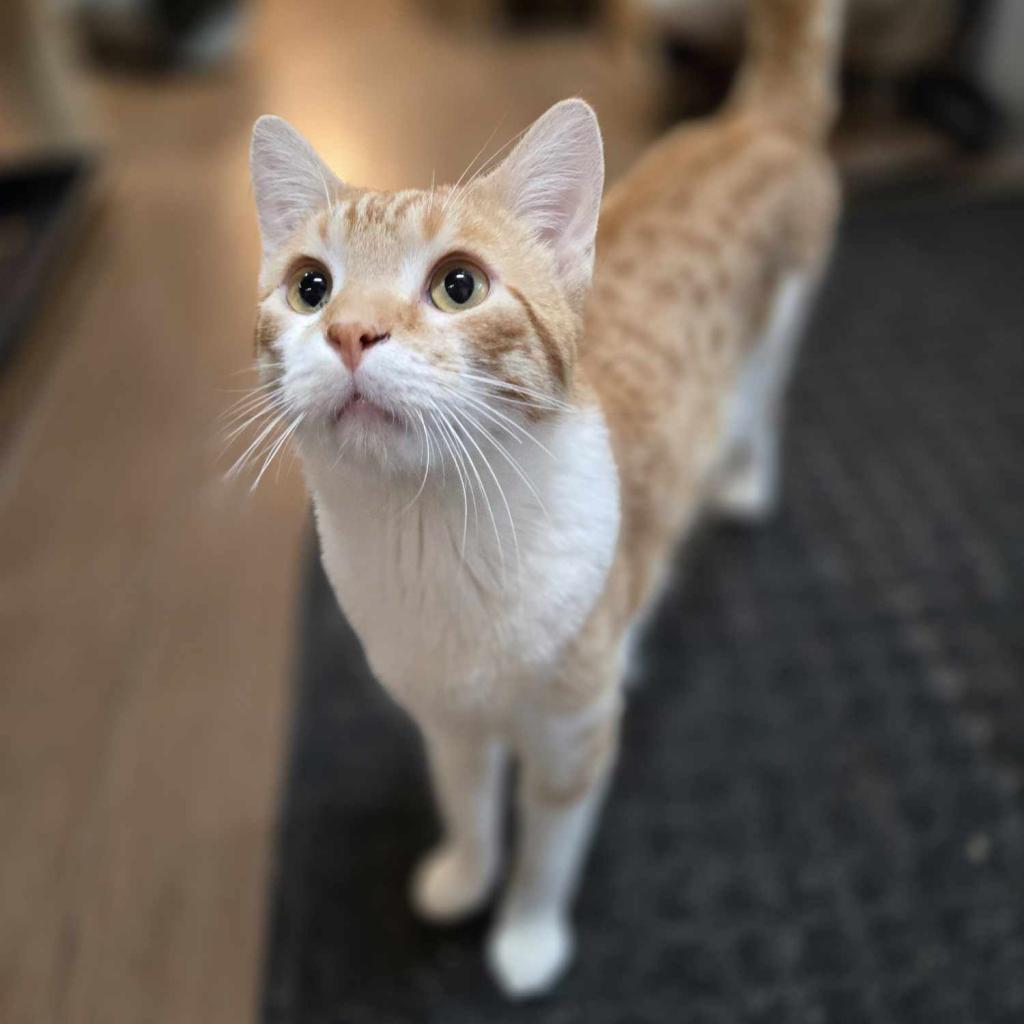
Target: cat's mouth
(358, 408)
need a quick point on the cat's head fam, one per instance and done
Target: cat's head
(396, 325)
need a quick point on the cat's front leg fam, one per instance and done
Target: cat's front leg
(455, 879)
(566, 760)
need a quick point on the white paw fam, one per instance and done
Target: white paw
(447, 886)
(748, 494)
(528, 955)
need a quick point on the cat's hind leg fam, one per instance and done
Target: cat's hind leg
(457, 877)
(747, 486)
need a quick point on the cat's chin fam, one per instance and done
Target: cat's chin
(360, 432)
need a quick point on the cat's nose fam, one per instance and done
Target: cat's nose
(351, 340)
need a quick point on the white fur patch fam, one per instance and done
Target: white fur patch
(447, 629)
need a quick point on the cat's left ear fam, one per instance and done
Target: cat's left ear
(290, 182)
(553, 180)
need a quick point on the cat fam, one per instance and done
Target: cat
(505, 441)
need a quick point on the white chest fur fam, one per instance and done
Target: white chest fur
(452, 627)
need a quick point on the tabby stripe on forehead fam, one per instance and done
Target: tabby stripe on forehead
(351, 214)
(403, 204)
(433, 219)
(556, 363)
(364, 205)
(379, 208)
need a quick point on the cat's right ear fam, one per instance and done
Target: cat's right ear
(289, 180)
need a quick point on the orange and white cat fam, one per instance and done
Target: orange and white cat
(505, 440)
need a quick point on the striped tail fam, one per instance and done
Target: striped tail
(789, 75)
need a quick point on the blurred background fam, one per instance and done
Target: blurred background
(148, 608)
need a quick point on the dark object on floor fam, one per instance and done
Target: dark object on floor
(526, 14)
(958, 108)
(162, 35)
(819, 812)
(39, 205)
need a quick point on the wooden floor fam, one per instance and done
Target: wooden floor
(147, 608)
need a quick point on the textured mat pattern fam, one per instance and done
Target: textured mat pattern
(819, 814)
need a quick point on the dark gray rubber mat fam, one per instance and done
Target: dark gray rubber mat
(819, 813)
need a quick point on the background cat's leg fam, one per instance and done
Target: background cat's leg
(749, 484)
(456, 878)
(566, 762)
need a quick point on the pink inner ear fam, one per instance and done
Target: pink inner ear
(554, 177)
(290, 182)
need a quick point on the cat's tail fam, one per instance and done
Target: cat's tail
(790, 71)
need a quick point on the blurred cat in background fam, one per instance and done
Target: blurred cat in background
(506, 438)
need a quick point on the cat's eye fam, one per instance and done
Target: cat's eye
(458, 284)
(309, 288)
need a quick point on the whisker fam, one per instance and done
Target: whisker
(527, 399)
(246, 391)
(430, 447)
(256, 389)
(501, 492)
(249, 401)
(262, 444)
(257, 367)
(489, 162)
(497, 417)
(462, 485)
(431, 440)
(277, 446)
(459, 453)
(483, 489)
(426, 471)
(232, 416)
(241, 461)
(271, 407)
(517, 469)
(342, 448)
(464, 460)
(455, 188)
(540, 400)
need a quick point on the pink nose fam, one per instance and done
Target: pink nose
(350, 341)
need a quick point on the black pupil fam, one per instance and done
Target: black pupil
(458, 283)
(313, 287)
